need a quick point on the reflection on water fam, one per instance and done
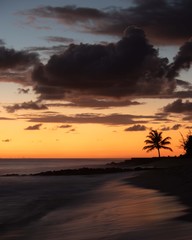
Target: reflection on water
(119, 209)
(112, 211)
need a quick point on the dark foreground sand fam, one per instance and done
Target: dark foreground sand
(120, 206)
(172, 177)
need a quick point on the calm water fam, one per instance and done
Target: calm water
(87, 208)
(27, 166)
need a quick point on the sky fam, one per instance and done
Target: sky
(90, 79)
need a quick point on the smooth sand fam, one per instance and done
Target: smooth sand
(172, 177)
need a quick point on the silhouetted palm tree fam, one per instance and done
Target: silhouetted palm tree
(186, 144)
(155, 141)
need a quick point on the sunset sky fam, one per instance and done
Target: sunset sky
(91, 78)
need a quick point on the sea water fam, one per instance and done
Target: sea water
(97, 207)
(30, 166)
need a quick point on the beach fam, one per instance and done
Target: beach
(116, 206)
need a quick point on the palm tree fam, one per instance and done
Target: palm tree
(155, 140)
(186, 144)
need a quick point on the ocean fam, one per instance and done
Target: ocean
(94, 207)
(31, 166)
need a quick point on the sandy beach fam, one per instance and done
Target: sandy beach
(149, 205)
(173, 177)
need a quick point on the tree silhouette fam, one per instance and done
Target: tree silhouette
(155, 141)
(186, 144)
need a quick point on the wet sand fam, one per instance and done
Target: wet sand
(172, 177)
(92, 207)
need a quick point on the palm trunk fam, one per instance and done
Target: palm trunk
(158, 152)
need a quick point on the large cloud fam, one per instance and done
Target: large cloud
(130, 67)
(179, 106)
(164, 20)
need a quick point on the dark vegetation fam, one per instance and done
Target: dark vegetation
(156, 141)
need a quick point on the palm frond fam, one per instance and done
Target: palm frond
(155, 141)
(168, 148)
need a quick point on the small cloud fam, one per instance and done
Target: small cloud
(34, 127)
(65, 126)
(164, 128)
(59, 39)
(26, 106)
(22, 90)
(176, 126)
(6, 140)
(137, 127)
(188, 127)
(71, 130)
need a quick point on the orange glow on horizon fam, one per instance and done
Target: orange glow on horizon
(85, 141)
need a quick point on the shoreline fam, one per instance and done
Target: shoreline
(39, 205)
(174, 178)
(171, 176)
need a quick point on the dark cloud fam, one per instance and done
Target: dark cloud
(12, 76)
(48, 50)
(34, 127)
(65, 126)
(188, 127)
(26, 106)
(178, 106)
(67, 14)
(59, 39)
(2, 42)
(136, 128)
(10, 58)
(5, 119)
(174, 127)
(130, 67)
(15, 66)
(100, 103)
(23, 90)
(187, 117)
(71, 130)
(183, 84)
(111, 119)
(182, 94)
(164, 21)
(164, 128)
(182, 60)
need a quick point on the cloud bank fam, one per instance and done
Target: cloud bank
(130, 67)
(164, 21)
